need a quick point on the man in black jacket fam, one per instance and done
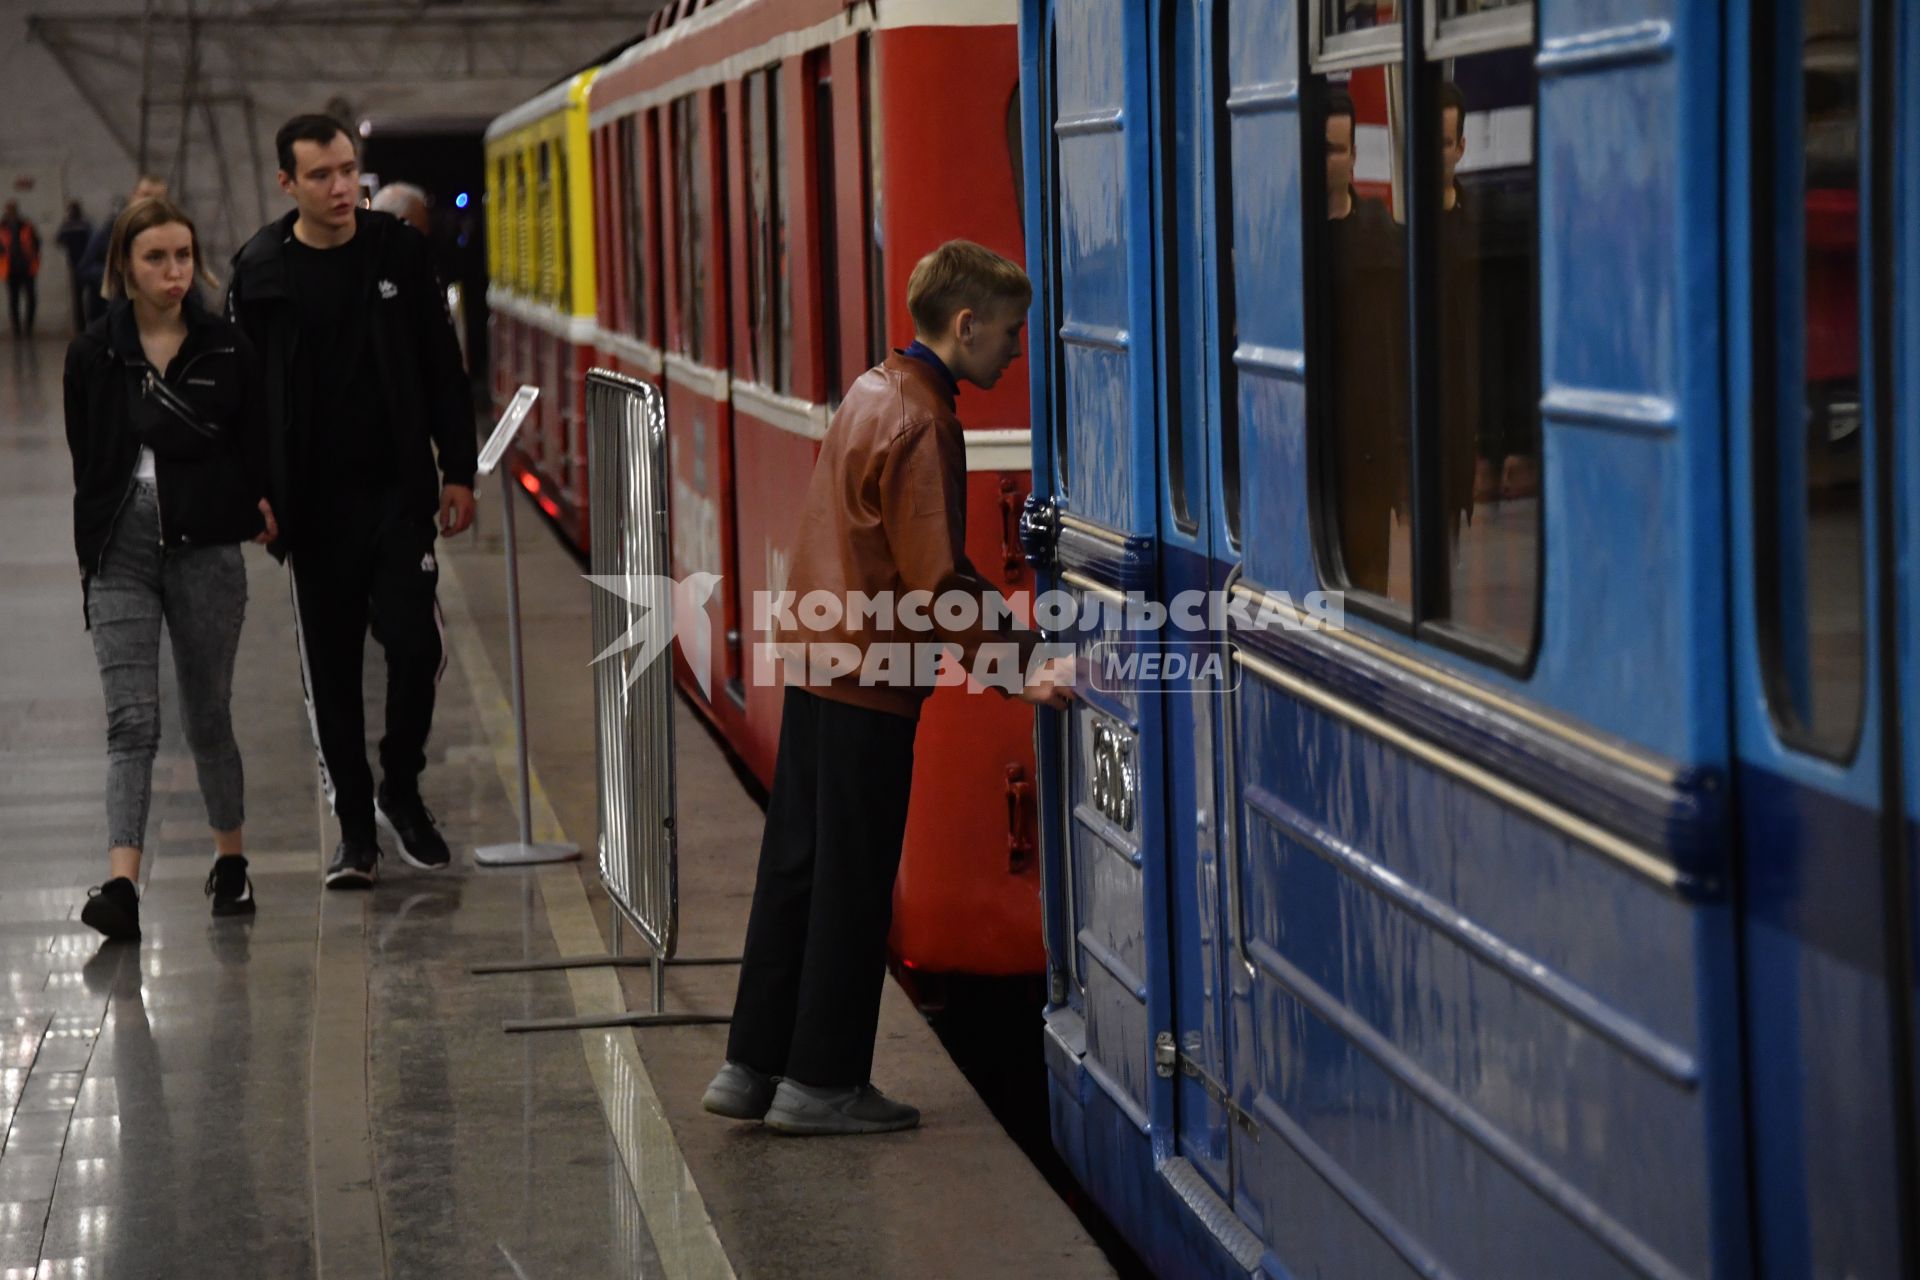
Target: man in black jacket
(363, 385)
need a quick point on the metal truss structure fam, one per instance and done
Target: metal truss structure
(182, 85)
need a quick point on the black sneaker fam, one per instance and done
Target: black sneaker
(230, 887)
(412, 825)
(354, 863)
(114, 910)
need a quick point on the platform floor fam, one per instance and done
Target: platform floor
(326, 1090)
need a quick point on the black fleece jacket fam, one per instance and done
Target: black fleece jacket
(201, 416)
(416, 358)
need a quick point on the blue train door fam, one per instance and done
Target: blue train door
(1826, 510)
(1102, 763)
(1141, 478)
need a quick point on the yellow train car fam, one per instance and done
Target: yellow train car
(540, 296)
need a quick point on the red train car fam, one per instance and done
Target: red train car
(765, 175)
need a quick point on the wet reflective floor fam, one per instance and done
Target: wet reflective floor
(325, 1089)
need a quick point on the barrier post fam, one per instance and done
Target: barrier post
(524, 851)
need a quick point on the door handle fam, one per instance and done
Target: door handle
(1039, 529)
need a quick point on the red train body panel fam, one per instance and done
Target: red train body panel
(765, 175)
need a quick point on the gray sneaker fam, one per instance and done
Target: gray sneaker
(739, 1093)
(804, 1110)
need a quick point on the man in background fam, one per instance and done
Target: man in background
(93, 263)
(20, 265)
(72, 236)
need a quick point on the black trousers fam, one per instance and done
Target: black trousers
(365, 558)
(816, 953)
(23, 298)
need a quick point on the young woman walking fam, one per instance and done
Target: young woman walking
(164, 410)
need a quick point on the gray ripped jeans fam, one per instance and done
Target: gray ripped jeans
(201, 594)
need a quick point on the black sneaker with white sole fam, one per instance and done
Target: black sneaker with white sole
(114, 910)
(411, 822)
(354, 864)
(230, 887)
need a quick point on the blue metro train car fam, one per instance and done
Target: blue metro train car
(1553, 917)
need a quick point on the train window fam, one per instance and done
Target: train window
(1809, 503)
(1227, 371)
(652, 283)
(1181, 205)
(782, 264)
(1485, 349)
(523, 270)
(1456, 28)
(820, 68)
(876, 238)
(548, 268)
(1430, 423)
(1349, 33)
(759, 239)
(769, 296)
(563, 283)
(631, 226)
(691, 248)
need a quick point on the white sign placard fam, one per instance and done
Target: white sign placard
(509, 423)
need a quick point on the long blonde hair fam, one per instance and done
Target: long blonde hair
(145, 215)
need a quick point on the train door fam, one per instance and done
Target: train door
(1826, 509)
(1096, 464)
(1197, 541)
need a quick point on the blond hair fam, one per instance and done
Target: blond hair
(961, 275)
(145, 215)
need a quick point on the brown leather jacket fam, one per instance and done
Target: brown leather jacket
(886, 511)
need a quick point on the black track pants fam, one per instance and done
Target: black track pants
(366, 559)
(816, 953)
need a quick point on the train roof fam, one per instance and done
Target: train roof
(571, 91)
(809, 22)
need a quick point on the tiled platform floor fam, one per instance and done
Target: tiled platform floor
(325, 1090)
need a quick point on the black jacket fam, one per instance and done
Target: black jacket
(202, 420)
(428, 398)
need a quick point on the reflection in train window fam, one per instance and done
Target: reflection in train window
(1360, 393)
(1486, 349)
(1471, 570)
(759, 263)
(782, 263)
(631, 150)
(819, 70)
(769, 287)
(1808, 461)
(691, 247)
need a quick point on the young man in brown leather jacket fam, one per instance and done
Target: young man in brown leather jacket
(885, 516)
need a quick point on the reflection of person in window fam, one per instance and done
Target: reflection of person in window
(1365, 283)
(1462, 337)
(1488, 257)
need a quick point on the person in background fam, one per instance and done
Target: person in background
(408, 203)
(365, 386)
(20, 266)
(164, 417)
(72, 237)
(93, 262)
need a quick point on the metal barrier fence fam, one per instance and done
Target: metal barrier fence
(633, 708)
(633, 695)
